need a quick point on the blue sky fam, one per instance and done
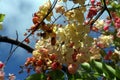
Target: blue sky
(18, 18)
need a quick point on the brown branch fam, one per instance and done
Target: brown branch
(16, 42)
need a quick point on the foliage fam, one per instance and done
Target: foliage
(91, 71)
(36, 77)
(1, 20)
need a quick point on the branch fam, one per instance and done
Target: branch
(101, 12)
(16, 42)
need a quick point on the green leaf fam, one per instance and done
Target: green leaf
(1, 26)
(117, 42)
(117, 72)
(97, 66)
(86, 66)
(75, 76)
(109, 71)
(2, 17)
(56, 75)
(1, 20)
(36, 77)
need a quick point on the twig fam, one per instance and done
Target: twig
(16, 42)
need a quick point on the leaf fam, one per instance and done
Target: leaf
(2, 17)
(97, 66)
(109, 71)
(86, 66)
(117, 73)
(56, 75)
(1, 20)
(75, 76)
(1, 27)
(36, 76)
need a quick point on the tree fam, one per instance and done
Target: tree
(66, 49)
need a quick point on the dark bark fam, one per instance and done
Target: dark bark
(16, 42)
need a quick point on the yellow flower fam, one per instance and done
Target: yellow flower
(36, 53)
(105, 40)
(99, 24)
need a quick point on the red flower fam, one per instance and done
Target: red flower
(72, 68)
(1, 65)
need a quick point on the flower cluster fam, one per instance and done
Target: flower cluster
(60, 45)
(70, 44)
(104, 41)
(43, 10)
(95, 7)
(69, 49)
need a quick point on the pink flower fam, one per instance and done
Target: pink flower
(118, 34)
(98, 3)
(92, 2)
(44, 50)
(2, 74)
(92, 12)
(12, 77)
(117, 25)
(38, 69)
(117, 22)
(108, 21)
(55, 65)
(106, 28)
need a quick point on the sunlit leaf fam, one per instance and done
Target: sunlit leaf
(97, 66)
(108, 70)
(86, 66)
(1, 26)
(2, 17)
(1, 20)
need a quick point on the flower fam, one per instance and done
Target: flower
(117, 23)
(1, 65)
(99, 24)
(118, 33)
(12, 77)
(92, 12)
(2, 75)
(59, 9)
(104, 41)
